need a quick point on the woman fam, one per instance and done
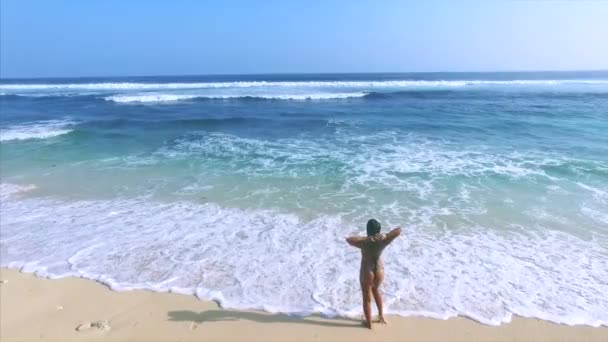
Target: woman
(371, 273)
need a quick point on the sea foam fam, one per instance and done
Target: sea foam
(291, 84)
(178, 97)
(35, 130)
(280, 262)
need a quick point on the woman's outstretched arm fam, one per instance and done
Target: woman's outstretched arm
(392, 235)
(355, 241)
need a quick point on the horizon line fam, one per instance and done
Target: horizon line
(307, 73)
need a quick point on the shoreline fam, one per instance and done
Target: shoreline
(45, 309)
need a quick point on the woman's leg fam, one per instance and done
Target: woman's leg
(367, 281)
(378, 278)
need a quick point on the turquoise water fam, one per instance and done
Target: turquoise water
(242, 188)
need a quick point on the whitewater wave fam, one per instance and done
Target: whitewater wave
(393, 154)
(180, 97)
(253, 259)
(313, 84)
(36, 130)
(149, 98)
(407, 171)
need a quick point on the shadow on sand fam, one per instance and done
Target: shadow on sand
(227, 315)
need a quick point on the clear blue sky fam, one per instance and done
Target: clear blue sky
(130, 37)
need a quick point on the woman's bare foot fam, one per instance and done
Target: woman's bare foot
(381, 320)
(367, 324)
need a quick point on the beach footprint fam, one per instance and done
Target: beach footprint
(97, 325)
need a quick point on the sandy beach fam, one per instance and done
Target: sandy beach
(35, 308)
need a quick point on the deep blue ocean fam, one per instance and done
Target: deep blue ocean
(242, 188)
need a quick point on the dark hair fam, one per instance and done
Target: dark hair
(373, 227)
